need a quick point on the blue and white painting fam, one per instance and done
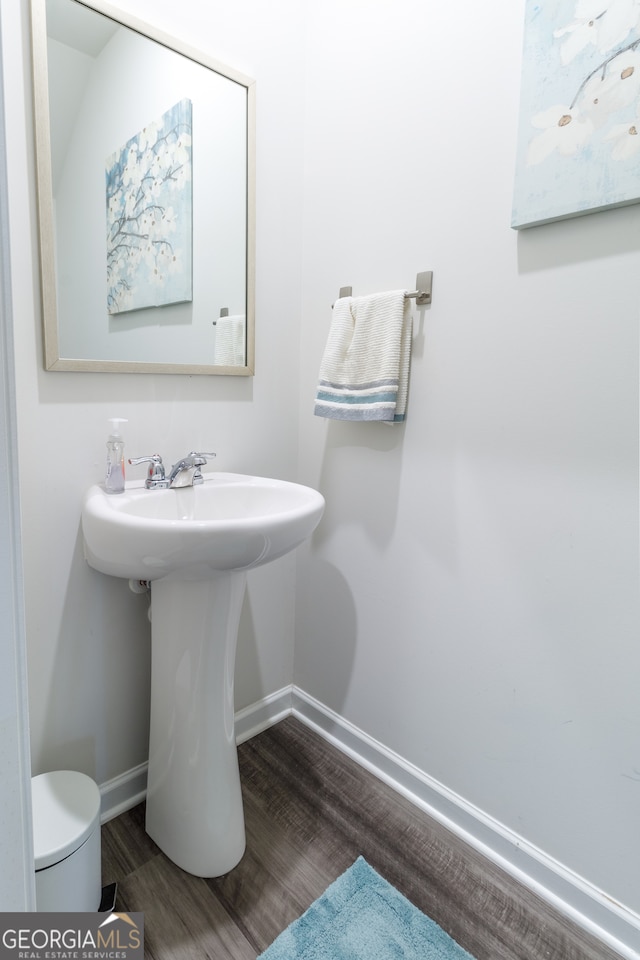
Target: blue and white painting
(579, 131)
(149, 215)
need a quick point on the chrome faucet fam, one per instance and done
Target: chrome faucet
(185, 473)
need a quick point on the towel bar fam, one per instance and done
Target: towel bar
(424, 283)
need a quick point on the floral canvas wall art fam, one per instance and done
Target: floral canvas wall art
(149, 215)
(579, 131)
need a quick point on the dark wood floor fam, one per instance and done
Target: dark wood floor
(310, 812)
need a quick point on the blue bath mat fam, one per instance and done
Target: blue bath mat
(362, 917)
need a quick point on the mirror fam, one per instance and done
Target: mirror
(145, 152)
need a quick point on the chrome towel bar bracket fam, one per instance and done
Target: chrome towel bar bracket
(424, 284)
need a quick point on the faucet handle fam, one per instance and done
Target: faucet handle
(198, 460)
(203, 456)
(155, 473)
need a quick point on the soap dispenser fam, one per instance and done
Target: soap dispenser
(114, 478)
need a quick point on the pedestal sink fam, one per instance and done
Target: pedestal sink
(194, 545)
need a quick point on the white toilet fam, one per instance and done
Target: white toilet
(66, 840)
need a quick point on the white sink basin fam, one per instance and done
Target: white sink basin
(229, 522)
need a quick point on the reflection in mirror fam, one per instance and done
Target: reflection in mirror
(145, 160)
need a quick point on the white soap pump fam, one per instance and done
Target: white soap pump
(114, 478)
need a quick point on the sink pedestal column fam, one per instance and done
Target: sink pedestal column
(194, 801)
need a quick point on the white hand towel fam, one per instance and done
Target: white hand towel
(364, 373)
(229, 347)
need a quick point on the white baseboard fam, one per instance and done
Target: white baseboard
(570, 894)
(123, 792)
(259, 716)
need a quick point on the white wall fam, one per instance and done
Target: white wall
(471, 597)
(88, 636)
